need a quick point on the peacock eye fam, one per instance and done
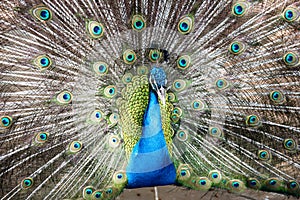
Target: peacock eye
(138, 23)
(236, 185)
(100, 68)
(236, 47)
(42, 62)
(290, 14)
(109, 191)
(183, 62)
(120, 177)
(175, 118)
(252, 120)
(291, 59)
(289, 144)
(222, 84)
(273, 184)
(129, 57)
(114, 141)
(42, 13)
(264, 155)
(87, 192)
(97, 194)
(142, 70)
(113, 119)
(179, 85)
(277, 97)
(26, 183)
(253, 183)
(97, 116)
(293, 186)
(184, 172)
(75, 146)
(110, 91)
(127, 78)
(215, 132)
(198, 105)
(215, 176)
(6, 121)
(41, 138)
(177, 111)
(185, 25)
(182, 135)
(94, 29)
(64, 97)
(154, 55)
(45, 14)
(172, 97)
(203, 183)
(239, 9)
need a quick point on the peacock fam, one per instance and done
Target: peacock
(99, 96)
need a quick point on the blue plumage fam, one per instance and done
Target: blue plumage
(150, 162)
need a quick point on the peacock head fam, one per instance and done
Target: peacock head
(158, 78)
(158, 82)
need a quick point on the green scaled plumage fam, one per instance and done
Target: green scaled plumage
(131, 108)
(74, 86)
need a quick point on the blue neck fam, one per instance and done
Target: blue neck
(150, 163)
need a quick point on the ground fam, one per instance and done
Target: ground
(181, 193)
